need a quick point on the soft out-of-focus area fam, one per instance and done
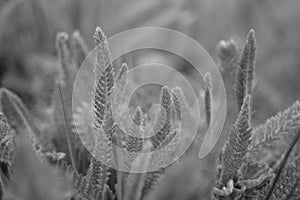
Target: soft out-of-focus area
(28, 60)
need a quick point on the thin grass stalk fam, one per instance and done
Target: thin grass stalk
(2, 190)
(67, 129)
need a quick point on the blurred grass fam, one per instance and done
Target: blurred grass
(28, 28)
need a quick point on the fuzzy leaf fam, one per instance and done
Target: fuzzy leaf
(208, 97)
(16, 113)
(164, 120)
(136, 181)
(288, 180)
(234, 153)
(276, 127)
(102, 94)
(35, 180)
(134, 139)
(7, 142)
(151, 182)
(104, 77)
(78, 48)
(245, 71)
(176, 105)
(65, 57)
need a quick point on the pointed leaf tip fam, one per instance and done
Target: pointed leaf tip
(165, 91)
(251, 34)
(165, 97)
(99, 35)
(123, 70)
(61, 38)
(251, 40)
(208, 80)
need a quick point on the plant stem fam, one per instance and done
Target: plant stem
(71, 151)
(2, 191)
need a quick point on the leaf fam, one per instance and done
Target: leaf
(286, 171)
(78, 48)
(287, 181)
(98, 173)
(163, 123)
(136, 181)
(251, 42)
(275, 127)
(234, 153)
(152, 180)
(12, 107)
(35, 180)
(65, 58)
(254, 171)
(208, 97)
(103, 56)
(191, 179)
(255, 177)
(245, 71)
(96, 177)
(121, 82)
(176, 104)
(134, 139)
(103, 89)
(7, 142)
(186, 113)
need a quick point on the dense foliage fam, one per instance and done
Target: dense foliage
(255, 163)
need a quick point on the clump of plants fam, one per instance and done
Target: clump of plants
(48, 160)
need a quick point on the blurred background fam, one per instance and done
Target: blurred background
(28, 28)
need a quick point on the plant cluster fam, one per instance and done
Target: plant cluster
(39, 161)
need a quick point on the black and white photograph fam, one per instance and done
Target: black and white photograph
(149, 100)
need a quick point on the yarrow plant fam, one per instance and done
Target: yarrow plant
(246, 169)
